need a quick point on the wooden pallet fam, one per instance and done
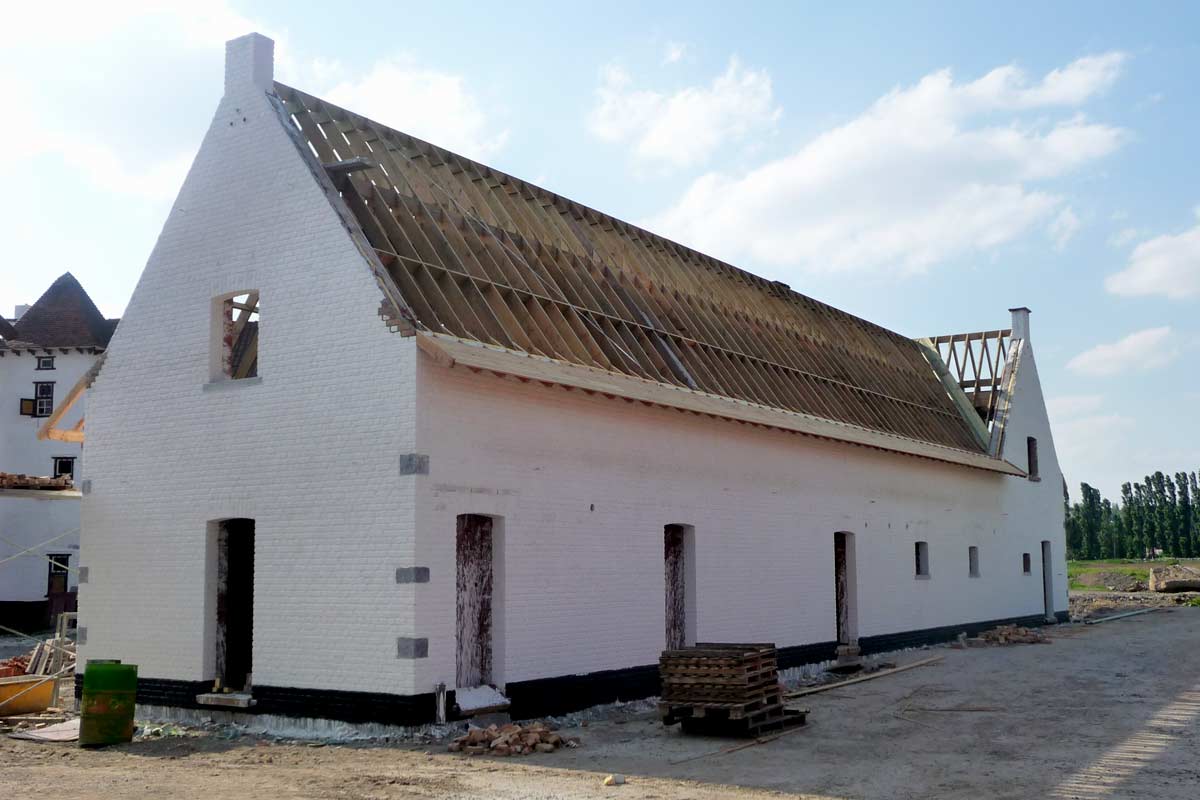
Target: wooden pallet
(696, 694)
(777, 719)
(728, 688)
(728, 675)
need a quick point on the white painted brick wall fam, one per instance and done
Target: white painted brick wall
(582, 589)
(311, 453)
(29, 522)
(584, 485)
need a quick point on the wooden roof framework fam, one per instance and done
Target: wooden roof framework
(481, 256)
(977, 361)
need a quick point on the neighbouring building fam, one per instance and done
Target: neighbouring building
(44, 352)
(380, 419)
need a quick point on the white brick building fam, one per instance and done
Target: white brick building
(380, 418)
(43, 353)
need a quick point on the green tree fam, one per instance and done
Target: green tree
(1091, 515)
(1129, 523)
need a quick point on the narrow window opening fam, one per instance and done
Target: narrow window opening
(1032, 458)
(64, 465)
(1026, 564)
(845, 588)
(1047, 583)
(235, 604)
(239, 316)
(922, 557)
(973, 561)
(45, 362)
(473, 610)
(679, 576)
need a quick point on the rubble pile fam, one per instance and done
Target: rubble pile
(1174, 578)
(1013, 634)
(511, 740)
(41, 659)
(12, 667)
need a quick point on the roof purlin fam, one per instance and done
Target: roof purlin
(483, 256)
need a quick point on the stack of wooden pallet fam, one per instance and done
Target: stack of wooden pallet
(9, 480)
(724, 689)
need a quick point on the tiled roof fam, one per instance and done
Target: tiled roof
(484, 257)
(64, 316)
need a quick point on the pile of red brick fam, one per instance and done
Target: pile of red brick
(12, 667)
(511, 740)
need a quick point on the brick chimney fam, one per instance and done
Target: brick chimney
(249, 63)
(1020, 323)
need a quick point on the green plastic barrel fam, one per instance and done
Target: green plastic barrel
(106, 710)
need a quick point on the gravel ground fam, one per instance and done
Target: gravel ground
(1104, 711)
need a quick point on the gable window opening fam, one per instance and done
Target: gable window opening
(922, 558)
(239, 336)
(973, 561)
(45, 362)
(1026, 564)
(64, 465)
(1032, 458)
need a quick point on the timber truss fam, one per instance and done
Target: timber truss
(977, 362)
(478, 256)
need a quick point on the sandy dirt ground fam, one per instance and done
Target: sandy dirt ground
(1104, 711)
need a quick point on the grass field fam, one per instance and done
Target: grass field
(1085, 575)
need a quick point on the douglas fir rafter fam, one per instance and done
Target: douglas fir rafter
(480, 256)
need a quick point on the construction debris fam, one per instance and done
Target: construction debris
(615, 779)
(41, 660)
(9, 480)
(65, 731)
(12, 667)
(511, 740)
(1174, 578)
(1014, 634)
(727, 689)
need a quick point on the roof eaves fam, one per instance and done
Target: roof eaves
(449, 351)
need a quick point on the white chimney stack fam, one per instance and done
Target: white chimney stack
(249, 63)
(1020, 323)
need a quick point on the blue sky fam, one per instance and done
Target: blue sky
(925, 166)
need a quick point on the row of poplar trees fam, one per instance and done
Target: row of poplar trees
(1157, 517)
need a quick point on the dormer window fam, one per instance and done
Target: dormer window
(45, 362)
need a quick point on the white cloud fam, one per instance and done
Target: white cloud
(432, 105)
(939, 169)
(685, 127)
(126, 126)
(108, 112)
(1063, 228)
(1165, 265)
(1144, 350)
(674, 53)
